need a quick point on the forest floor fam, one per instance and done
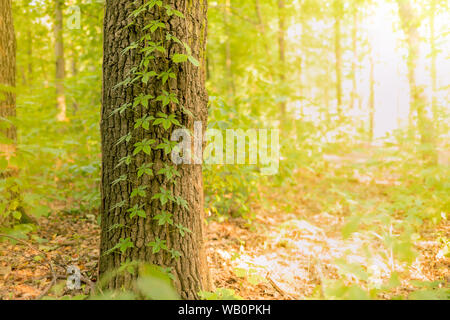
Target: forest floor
(292, 246)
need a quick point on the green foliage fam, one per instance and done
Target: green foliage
(59, 164)
(229, 188)
(122, 246)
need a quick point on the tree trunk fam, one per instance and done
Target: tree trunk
(261, 26)
(433, 62)
(354, 95)
(302, 63)
(228, 57)
(410, 24)
(60, 63)
(372, 99)
(29, 45)
(190, 270)
(262, 29)
(282, 51)
(7, 82)
(8, 133)
(338, 53)
(74, 75)
(30, 55)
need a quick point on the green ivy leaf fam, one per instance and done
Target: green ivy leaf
(137, 211)
(179, 58)
(145, 169)
(126, 138)
(123, 246)
(139, 192)
(164, 218)
(124, 161)
(169, 171)
(182, 229)
(157, 245)
(164, 196)
(144, 146)
(194, 61)
(120, 179)
(175, 254)
(144, 122)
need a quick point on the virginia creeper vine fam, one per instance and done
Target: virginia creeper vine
(153, 50)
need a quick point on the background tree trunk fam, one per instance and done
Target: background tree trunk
(338, 52)
(372, 98)
(228, 56)
(60, 63)
(261, 25)
(74, 75)
(433, 62)
(301, 69)
(29, 44)
(410, 24)
(190, 270)
(282, 51)
(354, 94)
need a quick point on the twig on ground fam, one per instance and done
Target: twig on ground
(319, 272)
(278, 289)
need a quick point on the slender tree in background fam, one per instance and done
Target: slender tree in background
(282, 50)
(60, 63)
(410, 25)
(371, 97)
(338, 10)
(30, 45)
(26, 68)
(261, 25)
(262, 32)
(355, 17)
(228, 57)
(190, 270)
(301, 59)
(433, 60)
(74, 64)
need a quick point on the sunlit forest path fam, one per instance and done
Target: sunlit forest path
(304, 240)
(301, 243)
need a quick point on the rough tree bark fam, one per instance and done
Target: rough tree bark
(60, 63)
(190, 270)
(7, 82)
(8, 132)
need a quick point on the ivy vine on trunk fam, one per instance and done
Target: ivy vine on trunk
(154, 83)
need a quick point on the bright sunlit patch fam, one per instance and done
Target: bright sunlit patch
(388, 51)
